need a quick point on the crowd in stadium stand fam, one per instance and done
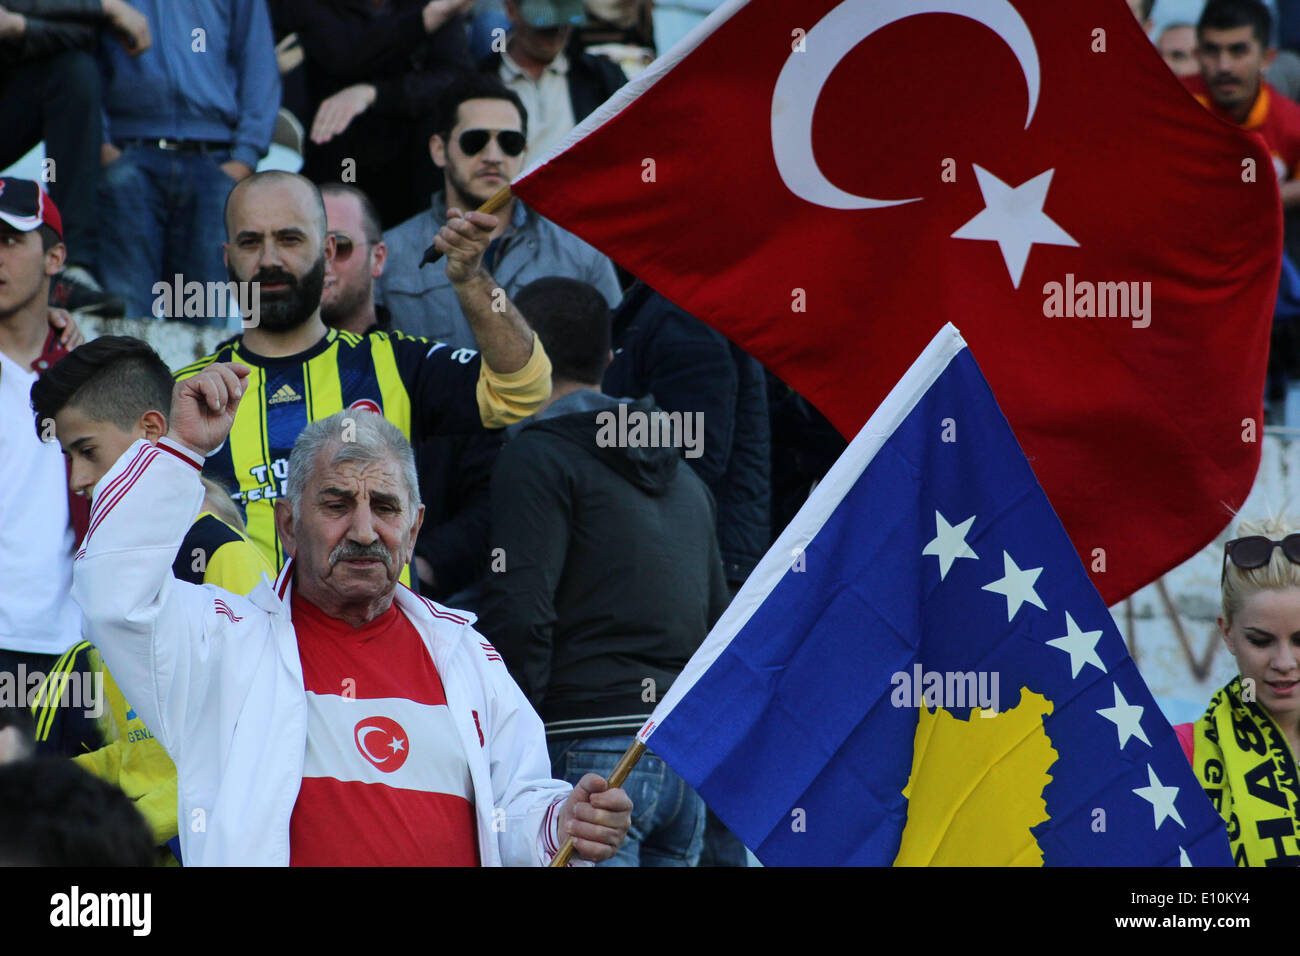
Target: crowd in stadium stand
(319, 148)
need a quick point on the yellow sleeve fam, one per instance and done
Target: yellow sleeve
(504, 399)
(105, 763)
(237, 567)
(159, 808)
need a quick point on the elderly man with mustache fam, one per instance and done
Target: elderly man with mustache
(333, 717)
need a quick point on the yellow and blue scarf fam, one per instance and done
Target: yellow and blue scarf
(1248, 771)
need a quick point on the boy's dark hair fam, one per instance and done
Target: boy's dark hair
(474, 86)
(53, 813)
(113, 378)
(49, 238)
(369, 214)
(572, 321)
(1231, 14)
(1145, 7)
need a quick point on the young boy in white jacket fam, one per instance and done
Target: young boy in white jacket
(334, 717)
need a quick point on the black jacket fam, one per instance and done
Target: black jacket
(345, 42)
(686, 366)
(592, 79)
(611, 579)
(53, 26)
(455, 472)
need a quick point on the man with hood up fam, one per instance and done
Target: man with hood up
(605, 572)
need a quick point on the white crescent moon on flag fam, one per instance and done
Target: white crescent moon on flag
(362, 734)
(799, 86)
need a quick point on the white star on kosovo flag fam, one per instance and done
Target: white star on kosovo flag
(1013, 217)
(1127, 719)
(1017, 585)
(949, 543)
(1080, 645)
(1161, 799)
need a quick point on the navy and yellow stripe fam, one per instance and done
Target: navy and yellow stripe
(45, 708)
(390, 371)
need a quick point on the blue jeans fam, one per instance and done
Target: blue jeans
(667, 815)
(161, 214)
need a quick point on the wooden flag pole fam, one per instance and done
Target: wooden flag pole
(495, 202)
(621, 770)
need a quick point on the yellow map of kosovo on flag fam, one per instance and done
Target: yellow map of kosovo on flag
(976, 787)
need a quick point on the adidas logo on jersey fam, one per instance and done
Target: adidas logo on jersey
(284, 393)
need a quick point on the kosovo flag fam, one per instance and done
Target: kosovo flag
(920, 671)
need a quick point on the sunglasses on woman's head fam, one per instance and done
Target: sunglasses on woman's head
(472, 141)
(1255, 551)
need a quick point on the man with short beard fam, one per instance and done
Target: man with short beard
(303, 371)
(348, 301)
(482, 132)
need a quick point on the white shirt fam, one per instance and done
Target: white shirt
(550, 109)
(37, 613)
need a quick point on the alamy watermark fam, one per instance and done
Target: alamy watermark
(79, 689)
(951, 690)
(654, 428)
(1101, 300)
(207, 300)
(132, 911)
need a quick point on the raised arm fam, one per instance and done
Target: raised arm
(504, 337)
(160, 638)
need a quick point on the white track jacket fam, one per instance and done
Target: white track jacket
(217, 678)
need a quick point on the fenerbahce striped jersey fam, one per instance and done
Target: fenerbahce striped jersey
(422, 387)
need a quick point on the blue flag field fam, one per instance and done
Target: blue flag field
(920, 672)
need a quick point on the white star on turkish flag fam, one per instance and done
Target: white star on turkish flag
(1013, 217)
(807, 202)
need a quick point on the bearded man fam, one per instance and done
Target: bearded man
(302, 371)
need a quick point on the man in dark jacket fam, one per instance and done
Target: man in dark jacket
(688, 367)
(558, 89)
(50, 90)
(373, 74)
(608, 576)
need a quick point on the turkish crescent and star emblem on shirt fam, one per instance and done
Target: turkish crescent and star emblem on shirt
(382, 741)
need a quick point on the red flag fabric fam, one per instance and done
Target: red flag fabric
(828, 183)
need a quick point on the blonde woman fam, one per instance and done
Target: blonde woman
(1244, 748)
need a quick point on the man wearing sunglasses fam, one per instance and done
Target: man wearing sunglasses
(347, 301)
(480, 146)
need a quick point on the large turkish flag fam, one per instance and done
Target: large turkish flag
(828, 183)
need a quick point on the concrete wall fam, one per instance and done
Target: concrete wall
(179, 343)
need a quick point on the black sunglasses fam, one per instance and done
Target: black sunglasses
(472, 141)
(1256, 551)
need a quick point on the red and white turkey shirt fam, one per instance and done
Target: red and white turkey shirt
(385, 781)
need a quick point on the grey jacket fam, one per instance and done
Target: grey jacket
(422, 301)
